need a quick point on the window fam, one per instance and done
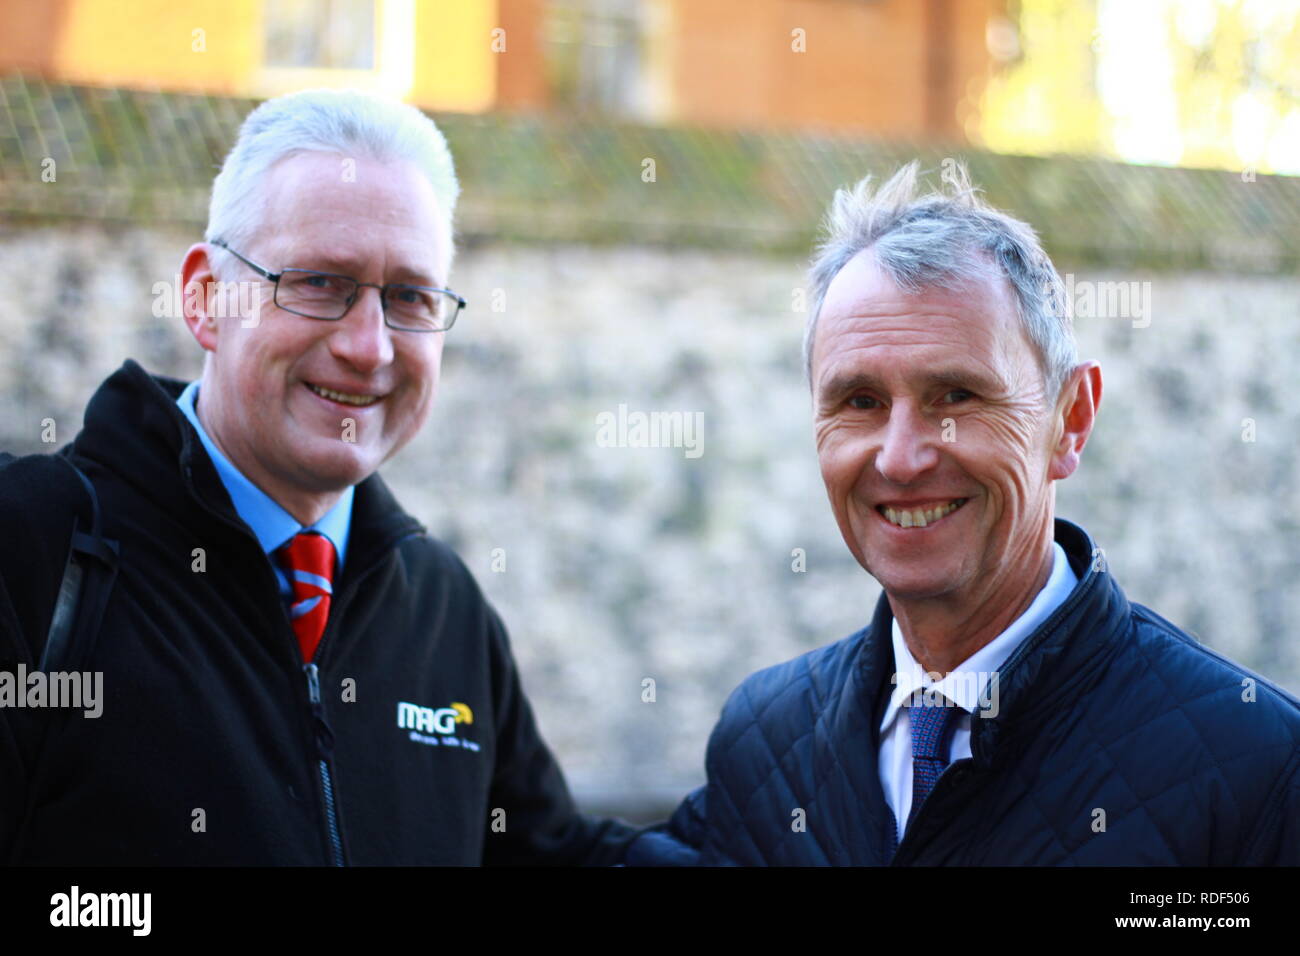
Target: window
(595, 55)
(320, 34)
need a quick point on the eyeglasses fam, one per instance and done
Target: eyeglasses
(328, 296)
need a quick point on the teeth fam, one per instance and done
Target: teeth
(344, 397)
(920, 517)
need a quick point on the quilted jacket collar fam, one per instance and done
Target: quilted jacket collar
(1055, 664)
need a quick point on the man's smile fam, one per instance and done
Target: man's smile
(918, 514)
(339, 397)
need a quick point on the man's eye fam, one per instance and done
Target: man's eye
(961, 393)
(862, 401)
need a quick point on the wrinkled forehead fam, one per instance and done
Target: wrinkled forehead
(868, 322)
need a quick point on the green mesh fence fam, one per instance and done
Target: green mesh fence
(150, 156)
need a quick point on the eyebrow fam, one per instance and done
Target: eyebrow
(843, 383)
(350, 265)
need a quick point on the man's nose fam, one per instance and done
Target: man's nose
(909, 446)
(361, 338)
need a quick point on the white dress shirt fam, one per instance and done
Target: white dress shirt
(962, 686)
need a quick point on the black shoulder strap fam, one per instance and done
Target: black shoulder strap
(88, 579)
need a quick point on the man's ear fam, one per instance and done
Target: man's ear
(1076, 413)
(196, 279)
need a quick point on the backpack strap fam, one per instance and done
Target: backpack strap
(88, 578)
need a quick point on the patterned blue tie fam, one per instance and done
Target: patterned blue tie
(932, 720)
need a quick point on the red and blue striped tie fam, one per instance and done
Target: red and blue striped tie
(308, 559)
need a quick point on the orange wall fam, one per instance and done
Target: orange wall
(866, 65)
(435, 53)
(209, 45)
(28, 31)
(869, 66)
(521, 70)
(455, 68)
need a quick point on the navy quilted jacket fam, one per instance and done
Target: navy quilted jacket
(1118, 740)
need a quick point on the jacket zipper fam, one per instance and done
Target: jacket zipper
(954, 772)
(324, 736)
(324, 749)
(323, 733)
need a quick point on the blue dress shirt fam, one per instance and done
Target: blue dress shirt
(272, 525)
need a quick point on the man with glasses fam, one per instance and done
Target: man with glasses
(293, 671)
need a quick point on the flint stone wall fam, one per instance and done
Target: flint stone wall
(627, 564)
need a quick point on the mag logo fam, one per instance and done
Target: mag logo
(436, 727)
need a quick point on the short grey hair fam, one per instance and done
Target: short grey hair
(349, 122)
(940, 240)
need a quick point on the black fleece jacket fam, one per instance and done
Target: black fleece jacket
(209, 749)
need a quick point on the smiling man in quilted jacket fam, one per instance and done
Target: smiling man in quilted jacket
(1007, 704)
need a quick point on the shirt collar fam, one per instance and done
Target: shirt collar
(964, 684)
(272, 525)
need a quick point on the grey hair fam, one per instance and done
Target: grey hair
(940, 240)
(349, 122)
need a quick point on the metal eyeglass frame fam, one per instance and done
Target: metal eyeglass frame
(275, 277)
